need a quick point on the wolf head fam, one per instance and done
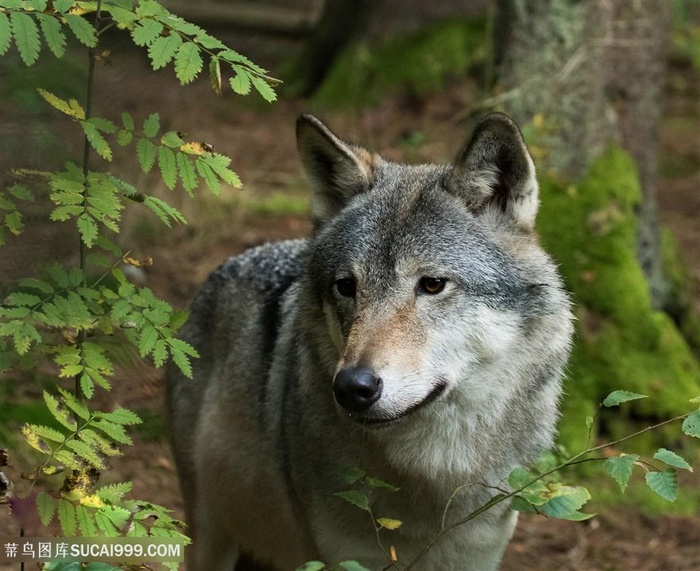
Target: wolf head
(428, 280)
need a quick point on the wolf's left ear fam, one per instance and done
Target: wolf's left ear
(495, 172)
(337, 170)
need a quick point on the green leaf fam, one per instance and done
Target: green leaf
(88, 229)
(48, 433)
(171, 139)
(264, 89)
(164, 211)
(240, 83)
(215, 75)
(664, 483)
(146, 153)
(160, 353)
(63, 6)
(120, 416)
(60, 412)
(565, 501)
(146, 31)
(45, 507)
(147, 340)
(66, 516)
(163, 49)
(375, 483)
(82, 30)
(26, 36)
(128, 121)
(151, 125)
(168, 166)
(5, 34)
(96, 139)
(53, 32)
(219, 164)
(115, 431)
(620, 468)
(351, 475)
(208, 174)
(86, 521)
(188, 175)
(21, 192)
(23, 299)
(691, 425)
(312, 566)
(33, 283)
(672, 459)
(180, 351)
(617, 397)
(356, 498)
(86, 452)
(124, 137)
(188, 62)
(70, 400)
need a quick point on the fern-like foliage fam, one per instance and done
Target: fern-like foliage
(74, 316)
(167, 39)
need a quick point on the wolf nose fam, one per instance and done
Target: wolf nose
(357, 388)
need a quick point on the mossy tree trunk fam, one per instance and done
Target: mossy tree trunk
(593, 72)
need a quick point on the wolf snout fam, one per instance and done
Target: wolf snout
(357, 388)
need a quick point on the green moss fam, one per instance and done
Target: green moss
(420, 63)
(621, 341)
(679, 302)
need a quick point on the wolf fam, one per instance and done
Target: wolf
(419, 335)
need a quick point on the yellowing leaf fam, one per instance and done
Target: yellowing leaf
(93, 501)
(196, 148)
(388, 523)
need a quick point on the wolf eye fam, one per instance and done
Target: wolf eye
(431, 286)
(345, 287)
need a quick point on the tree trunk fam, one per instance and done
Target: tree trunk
(594, 72)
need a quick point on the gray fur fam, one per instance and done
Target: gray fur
(469, 378)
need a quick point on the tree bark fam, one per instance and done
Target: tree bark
(594, 71)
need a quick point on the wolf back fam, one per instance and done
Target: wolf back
(418, 335)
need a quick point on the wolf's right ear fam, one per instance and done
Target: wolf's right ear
(337, 170)
(495, 174)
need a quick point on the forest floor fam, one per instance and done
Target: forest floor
(270, 206)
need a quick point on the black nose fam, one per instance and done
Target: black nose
(357, 388)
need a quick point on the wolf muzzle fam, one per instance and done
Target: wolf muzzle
(357, 388)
